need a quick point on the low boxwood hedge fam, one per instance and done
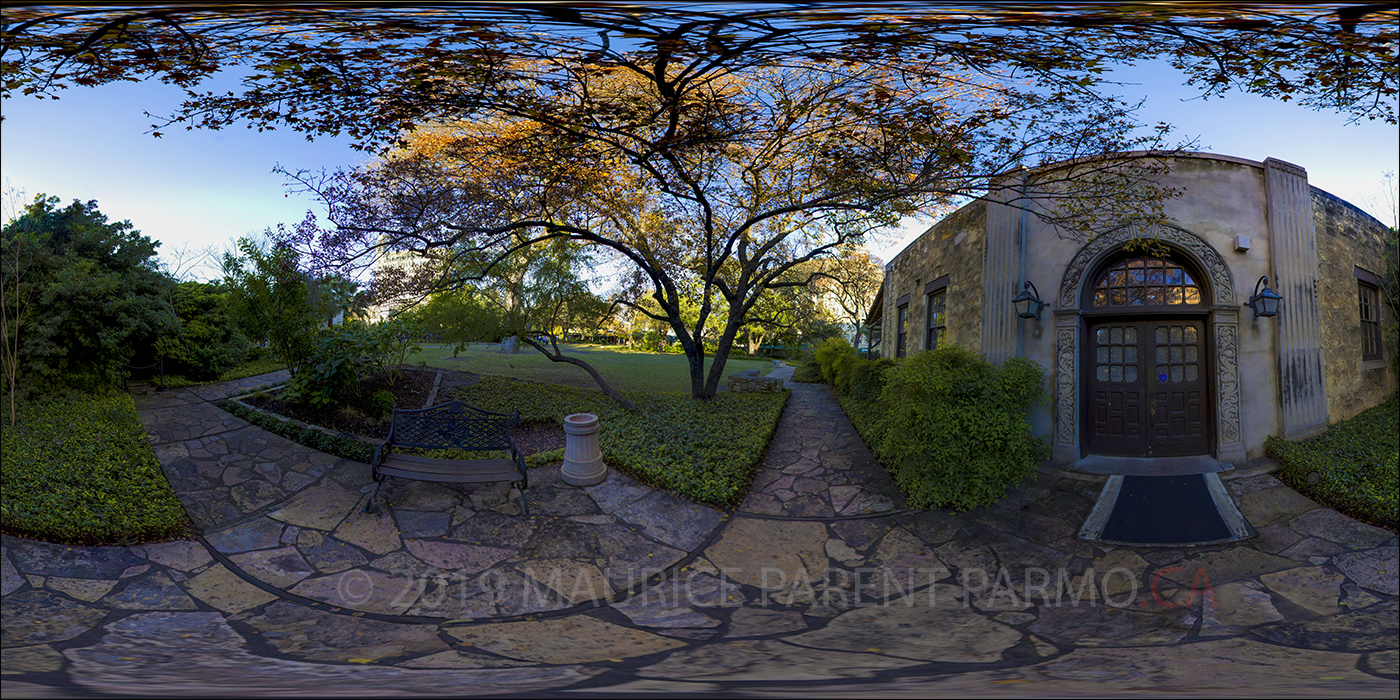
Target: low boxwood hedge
(78, 469)
(1354, 467)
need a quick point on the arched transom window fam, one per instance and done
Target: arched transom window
(1146, 282)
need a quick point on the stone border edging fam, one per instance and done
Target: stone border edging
(301, 424)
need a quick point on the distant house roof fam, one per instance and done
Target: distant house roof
(877, 308)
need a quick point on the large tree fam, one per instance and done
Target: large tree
(716, 149)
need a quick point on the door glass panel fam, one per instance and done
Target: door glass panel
(1115, 373)
(1191, 334)
(1130, 335)
(1161, 334)
(1177, 355)
(1191, 373)
(1116, 335)
(1102, 336)
(1162, 351)
(1116, 355)
(1130, 353)
(1130, 373)
(1102, 373)
(1102, 354)
(1176, 373)
(1176, 334)
(1161, 373)
(1191, 353)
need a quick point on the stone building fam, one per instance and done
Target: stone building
(1162, 356)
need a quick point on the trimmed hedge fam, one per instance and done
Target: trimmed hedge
(948, 426)
(1356, 462)
(706, 451)
(79, 469)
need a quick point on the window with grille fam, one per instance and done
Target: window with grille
(903, 331)
(1370, 321)
(1146, 282)
(937, 320)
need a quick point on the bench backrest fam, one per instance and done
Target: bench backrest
(453, 425)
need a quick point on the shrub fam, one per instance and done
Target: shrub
(381, 403)
(956, 435)
(868, 379)
(831, 355)
(808, 373)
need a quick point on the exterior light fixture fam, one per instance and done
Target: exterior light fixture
(1264, 303)
(1028, 303)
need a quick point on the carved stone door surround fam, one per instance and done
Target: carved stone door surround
(1070, 329)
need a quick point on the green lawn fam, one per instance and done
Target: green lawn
(251, 368)
(623, 370)
(1353, 467)
(79, 469)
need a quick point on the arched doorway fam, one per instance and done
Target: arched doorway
(1146, 366)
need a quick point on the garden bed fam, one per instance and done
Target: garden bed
(410, 391)
(353, 415)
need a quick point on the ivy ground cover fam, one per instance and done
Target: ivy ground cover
(1353, 467)
(706, 451)
(79, 469)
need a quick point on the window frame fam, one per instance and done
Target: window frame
(1369, 300)
(902, 319)
(934, 334)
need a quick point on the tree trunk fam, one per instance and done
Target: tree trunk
(726, 340)
(611, 393)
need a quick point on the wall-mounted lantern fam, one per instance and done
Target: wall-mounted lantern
(1028, 303)
(1264, 303)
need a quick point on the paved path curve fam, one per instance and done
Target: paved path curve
(820, 580)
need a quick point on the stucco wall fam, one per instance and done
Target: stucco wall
(1223, 197)
(1347, 238)
(953, 247)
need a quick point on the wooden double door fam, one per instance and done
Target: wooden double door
(1148, 388)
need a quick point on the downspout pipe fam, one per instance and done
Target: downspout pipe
(1021, 230)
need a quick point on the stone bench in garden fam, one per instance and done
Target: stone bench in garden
(750, 380)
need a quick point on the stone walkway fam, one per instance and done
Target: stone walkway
(820, 582)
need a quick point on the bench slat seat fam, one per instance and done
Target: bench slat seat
(450, 426)
(477, 471)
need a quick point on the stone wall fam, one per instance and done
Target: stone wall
(953, 247)
(1347, 238)
(750, 380)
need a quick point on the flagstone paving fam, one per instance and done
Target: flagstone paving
(822, 581)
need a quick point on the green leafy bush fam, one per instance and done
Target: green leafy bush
(868, 379)
(205, 342)
(381, 403)
(832, 356)
(79, 469)
(956, 434)
(1353, 467)
(809, 373)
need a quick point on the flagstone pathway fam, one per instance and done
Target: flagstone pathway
(820, 582)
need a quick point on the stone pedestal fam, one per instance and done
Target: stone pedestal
(583, 461)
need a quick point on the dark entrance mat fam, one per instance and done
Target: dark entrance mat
(1164, 509)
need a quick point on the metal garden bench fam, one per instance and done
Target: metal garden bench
(450, 426)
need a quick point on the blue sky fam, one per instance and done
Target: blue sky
(205, 188)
